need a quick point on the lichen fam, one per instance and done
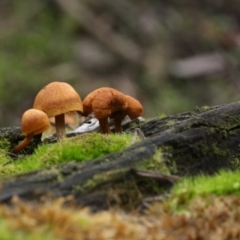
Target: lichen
(99, 179)
(160, 161)
(201, 109)
(171, 122)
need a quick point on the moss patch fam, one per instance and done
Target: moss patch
(156, 163)
(201, 109)
(207, 217)
(80, 148)
(159, 162)
(223, 183)
(4, 144)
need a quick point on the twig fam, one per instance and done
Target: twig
(16, 157)
(9, 153)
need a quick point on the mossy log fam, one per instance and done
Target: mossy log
(199, 142)
(13, 135)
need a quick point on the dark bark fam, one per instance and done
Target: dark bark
(199, 142)
(13, 136)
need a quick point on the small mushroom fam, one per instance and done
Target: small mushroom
(109, 103)
(33, 122)
(56, 99)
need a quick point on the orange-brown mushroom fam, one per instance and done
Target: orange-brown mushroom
(109, 103)
(56, 99)
(34, 122)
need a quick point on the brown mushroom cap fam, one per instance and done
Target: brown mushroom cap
(104, 101)
(57, 98)
(34, 122)
(87, 103)
(134, 108)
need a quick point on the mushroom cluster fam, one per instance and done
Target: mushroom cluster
(58, 98)
(54, 100)
(107, 103)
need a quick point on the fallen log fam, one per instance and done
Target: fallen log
(199, 142)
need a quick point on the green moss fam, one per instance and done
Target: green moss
(171, 123)
(223, 183)
(6, 170)
(80, 148)
(4, 146)
(7, 233)
(158, 163)
(201, 109)
(162, 115)
(99, 179)
(33, 52)
(134, 124)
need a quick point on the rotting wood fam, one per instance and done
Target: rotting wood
(199, 142)
(13, 135)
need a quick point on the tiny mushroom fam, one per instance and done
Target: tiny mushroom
(56, 99)
(107, 103)
(34, 122)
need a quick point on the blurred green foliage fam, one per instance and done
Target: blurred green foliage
(39, 43)
(33, 40)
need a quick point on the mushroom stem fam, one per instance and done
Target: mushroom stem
(118, 118)
(118, 126)
(104, 125)
(60, 126)
(23, 144)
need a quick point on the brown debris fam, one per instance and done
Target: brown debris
(206, 218)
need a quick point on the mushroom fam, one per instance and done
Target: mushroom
(107, 103)
(56, 99)
(34, 122)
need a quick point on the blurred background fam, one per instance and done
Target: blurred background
(171, 55)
